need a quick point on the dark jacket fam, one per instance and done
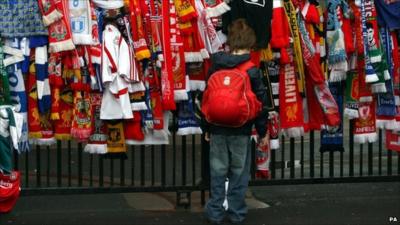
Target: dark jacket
(222, 60)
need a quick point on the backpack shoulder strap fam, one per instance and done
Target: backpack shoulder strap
(246, 66)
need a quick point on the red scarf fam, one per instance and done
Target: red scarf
(178, 58)
(137, 30)
(290, 102)
(364, 126)
(40, 127)
(167, 81)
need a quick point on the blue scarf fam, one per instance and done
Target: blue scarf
(18, 95)
(333, 141)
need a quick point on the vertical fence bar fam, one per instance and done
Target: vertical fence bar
(112, 171)
(142, 165)
(38, 172)
(80, 172)
(361, 159)
(389, 163)
(16, 160)
(152, 166)
(380, 152)
(273, 164)
(91, 170)
(193, 160)
(321, 164)
(101, 171)
(59, 165)
(351, 149)
(283, 163)
(302, 156)
(205, 167)
(341, 164)
(253, 166)
(173, 155)
(122, 172)
(398, 163)
(69, 164)
(331, 167)
(48, 166)
(26, 169)
(163, 165)
(184, 160)
(132, 165)
(292, 158)
(312, 154)
(370, 159)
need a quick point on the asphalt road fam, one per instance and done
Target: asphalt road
(330, 204)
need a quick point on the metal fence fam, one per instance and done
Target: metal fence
(182, 166)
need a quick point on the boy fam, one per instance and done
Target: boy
(230, 147)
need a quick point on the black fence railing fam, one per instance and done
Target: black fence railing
(182, 166)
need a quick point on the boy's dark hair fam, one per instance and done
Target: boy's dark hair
(240, 35)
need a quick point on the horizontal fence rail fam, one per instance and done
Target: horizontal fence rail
(183, 167)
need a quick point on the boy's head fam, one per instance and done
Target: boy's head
(240, 36)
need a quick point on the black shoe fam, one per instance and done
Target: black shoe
(213, 222)
(236, 222)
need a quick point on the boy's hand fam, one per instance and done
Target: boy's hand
(264, 140)
(207, 136)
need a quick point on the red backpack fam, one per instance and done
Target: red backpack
(228, 99)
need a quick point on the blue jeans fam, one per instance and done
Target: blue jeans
(229, 158)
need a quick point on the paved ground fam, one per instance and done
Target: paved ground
(365, 203)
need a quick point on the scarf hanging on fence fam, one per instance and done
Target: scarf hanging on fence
(62, 126)
(315, 76)
(370, 75)
(178, 57)
(40, 127)
(335, 40)
(185, 10)
(4, 85)
(116, 137)
(9, 190)
(17, 90)
(97, 143)
(42, 79)
(386, 107)
(280, 26)
(380, 86)
(262, 159)
(167, 81)
(374, 50)
(290, 102)
(274, 130)
(60, 34)
(138, 30)
(197, 75)
(208, 33)
(50, 13)
(81, 22)
(392, 140)
(296, 46)
(133, 128)
(365, 94)
(10, 131)
(364, 125)
(187, 121)
(216, 9)
(82, 121)
(155, 106)
(333, 140)
(351, 95)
